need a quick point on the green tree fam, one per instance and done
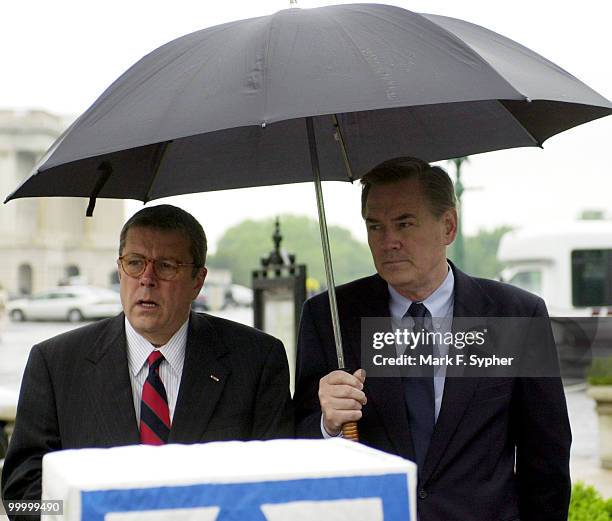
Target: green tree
(588, 505)
(480, 257)
(242, 246)
(592, 215)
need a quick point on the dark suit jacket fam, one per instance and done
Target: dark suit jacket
(469, 471)
(76, 393)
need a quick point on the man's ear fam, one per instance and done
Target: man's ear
(200, 278)
(450, 219)
(198, 282)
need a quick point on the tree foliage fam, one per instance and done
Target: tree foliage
(481, 253)
(242, 246)
(588, 505)
(592, 215)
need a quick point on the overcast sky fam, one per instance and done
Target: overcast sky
(61, 55)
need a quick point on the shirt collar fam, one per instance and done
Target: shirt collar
(139, 348)
(439, 303)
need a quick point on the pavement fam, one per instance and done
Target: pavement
(584, 457)
(17, 339)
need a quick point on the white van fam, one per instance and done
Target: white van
(569, 266)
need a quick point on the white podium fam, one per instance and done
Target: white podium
(288, 480)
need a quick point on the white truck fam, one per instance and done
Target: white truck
(570, 267)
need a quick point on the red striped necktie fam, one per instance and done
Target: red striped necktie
(154, 411)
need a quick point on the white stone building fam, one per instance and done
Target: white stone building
(43, 241)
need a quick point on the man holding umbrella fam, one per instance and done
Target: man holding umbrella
(488, 449)
(155, 374)
(326, 94)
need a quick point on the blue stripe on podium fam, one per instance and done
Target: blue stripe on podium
(243, 500)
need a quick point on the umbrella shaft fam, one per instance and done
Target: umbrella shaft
(329, 273)
(340, 139)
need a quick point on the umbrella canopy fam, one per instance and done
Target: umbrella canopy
(224, 107)
(309, 93)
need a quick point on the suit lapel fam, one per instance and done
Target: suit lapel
(469, 301)
(202, 382)
(109, 389)
(386, 395)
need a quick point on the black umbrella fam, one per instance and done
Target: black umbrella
(327, 92)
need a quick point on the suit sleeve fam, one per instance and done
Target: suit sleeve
(543, 439)
(311, 366)
(36, 432)
(273, 417)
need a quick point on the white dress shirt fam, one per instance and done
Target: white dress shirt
(440, 306)
(170, 370)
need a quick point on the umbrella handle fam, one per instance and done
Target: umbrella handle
(349, 429)
(350, 432)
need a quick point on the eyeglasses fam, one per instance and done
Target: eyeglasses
(165, 269)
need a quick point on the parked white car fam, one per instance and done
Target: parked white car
(237, 295)
(72, 303)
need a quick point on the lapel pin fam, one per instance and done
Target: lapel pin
(213, 377)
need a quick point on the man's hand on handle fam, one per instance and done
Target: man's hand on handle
(341, 397)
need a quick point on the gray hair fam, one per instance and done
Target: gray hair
(436, 184)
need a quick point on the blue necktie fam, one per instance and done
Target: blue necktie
(419, 391)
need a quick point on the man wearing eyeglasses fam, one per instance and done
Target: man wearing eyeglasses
(155, 374)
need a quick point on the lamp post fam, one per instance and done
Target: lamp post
(459, 248)
(279, 291)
